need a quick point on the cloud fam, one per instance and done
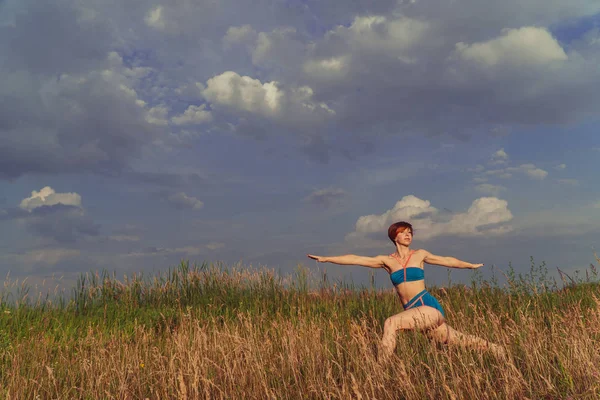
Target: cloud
(237, 35)
(408, 64)
(561, 167)
(269, 99)
(244, 93)
(183, 201)
(97, 100)
(257, 108)
(282, 47)
(61, 224)
(155, 19)
(54, 95)
(328, 197)
(378, 34)
(193, 115)
(90, 121)
(518, 47)
(327, 68)
(48, 197)
(51, 38)
(529, 170)
(501, 173)
(57, 217)
(499, 157)
(487, 216)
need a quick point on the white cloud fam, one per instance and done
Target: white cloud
(157, 115)
(531, 171)
(485, 216)
(48, 197)
(182, 200)
(499, 157)
(345, 50)
(155, 18)
(382, 34)
(244, 93)
(193, 115)
(524, 46)
(270, 100)
(561, 167)
(330, 67)
(500, 173)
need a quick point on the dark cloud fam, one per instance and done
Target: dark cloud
(84, 126)
(434, 92)
(66, 104)
(59, 223)
(64, 224)
(53, 37)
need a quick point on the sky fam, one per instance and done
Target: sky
(136, 134)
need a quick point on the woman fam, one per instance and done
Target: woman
(421, 310)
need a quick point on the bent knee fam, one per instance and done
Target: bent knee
(389, 324)
(440, 333)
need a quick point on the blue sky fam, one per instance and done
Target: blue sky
(136, 134)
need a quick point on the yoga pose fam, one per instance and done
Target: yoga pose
(421, 310)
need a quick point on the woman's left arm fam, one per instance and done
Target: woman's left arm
(449, 262)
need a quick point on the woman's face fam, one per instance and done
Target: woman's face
(404, 237)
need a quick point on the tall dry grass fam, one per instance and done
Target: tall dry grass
(211, 333)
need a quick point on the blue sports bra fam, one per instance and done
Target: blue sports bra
(410, 274)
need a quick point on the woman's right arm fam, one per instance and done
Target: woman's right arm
(351, 259)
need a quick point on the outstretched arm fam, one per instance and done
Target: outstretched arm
(449, 262)
(351, 259)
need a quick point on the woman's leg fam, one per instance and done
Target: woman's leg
(420, 318)
(446, 334)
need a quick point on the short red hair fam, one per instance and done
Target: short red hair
(398, 227)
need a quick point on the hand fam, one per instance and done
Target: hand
(475, 266)
(318, 258)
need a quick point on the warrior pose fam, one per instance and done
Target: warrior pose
(421, 310)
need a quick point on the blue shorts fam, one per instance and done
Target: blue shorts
(424, 298)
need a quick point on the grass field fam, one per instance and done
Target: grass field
(215, 332)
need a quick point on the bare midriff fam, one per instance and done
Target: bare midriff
(407, 290)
